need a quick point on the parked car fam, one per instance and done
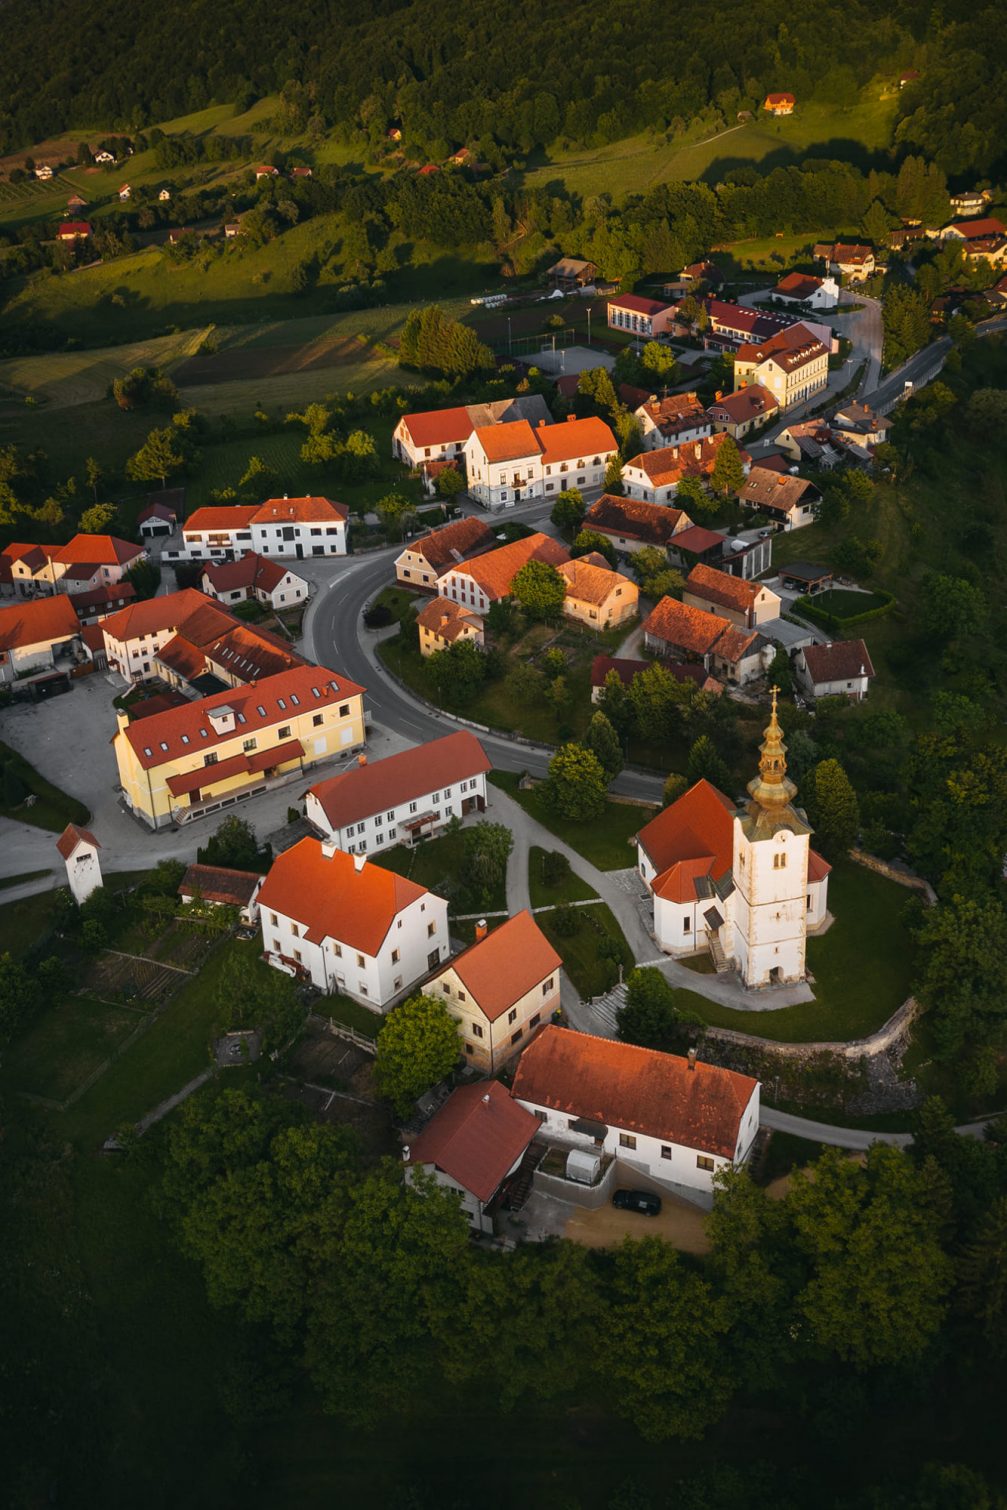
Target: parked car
(638, 1200)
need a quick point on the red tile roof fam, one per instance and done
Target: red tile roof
(302, 690)
(693, 458)
(446, 547)
(798, 285)
(438, 427)
(690, 629)
(508, 442)
(251, 653)
(504, 966)
(691, 838)
(447, 619)
(818, 868)
(249, 571)
(234, 765)
(575, 438)
(231, 516)
(476, 1137)
(73, 835)
(103, 550)
(588, 583)
(172, 611)
(636, 304)
(769, 489)
(73, 228)
(218, 883)
(367, 789)
(335, 899)
(978, 230)
(841, 661)
(495, 571)
(734, 644)
(697, 540)
(308, 510)
(37, 621)
(721, 588)
(157, 511)
(638, 1090)
(779, 99)
(790, 349)
(654, 523)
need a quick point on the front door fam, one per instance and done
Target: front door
(300, 550)
(433, 959)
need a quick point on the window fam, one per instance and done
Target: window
(627, 1140)
(477, 1031)
(379, 820)
(533, 1022)
(210, 759)
(395, 956)
(445, 987)
(361, 827)
(512, 1015)
(702, 1162)
(541, 1115)
(296, 932)
(276, 946)
(390, 817)
(317, 720)
(248, 744)
(344, 710)
(285, 732)
(363, 989)
(516, 1037)
(462, 996)
(337, 950)
(686, 924)
(779, 862)
(809, 901)
(297, 954)
(665, 1151)
(412, 807)
(470, 1048)
(380, 839)
(431, 930)
(360, 961)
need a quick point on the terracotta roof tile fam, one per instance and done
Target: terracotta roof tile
(698, 826)
(37, 621)
(446, 547)
(495, 571)
(637, 304)
(103, 550)
(841, 661)
(693, 458)
(232, 516)
(798, 285)
(576, 438)
(368, 789)
(448, 619)
(753, 402)
(587, 583)
(777, 490)
(154, 615)
(504, 966)
(307, 510)
(639, 1090)
(73, 835)
(218, 883)
(438, 427)
(249, 570)
(335, 899)
(509, 442)
(690, 629)
(721, 588)
(476, 1137)
(654, 523)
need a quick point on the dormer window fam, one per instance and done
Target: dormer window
(295, 699)
(147, 751)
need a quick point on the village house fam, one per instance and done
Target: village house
(596, 596)
(699, 546)
(281, 528)
(677, 1121)
(76, 203)
(221, 886)
(654, 476)
(78, 849)
(205, 755)
(793, 365)
(254, 577)
(840, 669)
(98, 603)
(230, 657)
(265, 170)
(125, 193)
(164, 195)
(641, 317)
(680, 631)
(571, 273)
(741, 656)
(626, 669)
(672, 420)
(971, 203)
(440, 434)
(632, 524)
(84, 563)
(746, 604)
(349, 927)
(739, 882)
(442, 623)
(908, 77)
(33, 633)
(730, 325)
(425, 560)
(402, 799)
(789, 501)
(811, 441)
(803, 288)
(511, 462)
(852, 260)
(478, 584)
(104, 157)
(73, 230)
(743, 411)
(500, 990)
(134, 636)
(43, 172)
(779, 104)
(156, 520)
(474, 1145)
(983, 240)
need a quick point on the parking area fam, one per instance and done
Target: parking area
(679, 1223)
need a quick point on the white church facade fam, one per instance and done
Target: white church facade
(740, 883)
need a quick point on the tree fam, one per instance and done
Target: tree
(145, 577)
(705, 764)
(588, 541)
(877, 1276)
(833, 808)
(658, 1343)
(358, 456)
(576, 785)
(486, 848)
(252, 995)
(450, 482)
(983, 1278)
(258, 476)
(18, 995)
(234, 846)
(650, 1015)
(97, 519)
(986, 411)
(458, 672)
(396, 512)
(539, 589)
(692, 496)
(595, 392)
(157, 459)
(648, 562)
(780, 673)
(962, 977)
(728, 476)
(604, 741)
(435, 343)
(659, 361)
(675, 786)
(952, 607)
(92, 475)
(568, 511)
(417, 1047)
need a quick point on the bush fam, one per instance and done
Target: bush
(555, 867)
(566, 920)
(378, 616)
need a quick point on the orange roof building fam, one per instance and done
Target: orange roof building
(633, 524)
(779, 104)
(78, 849)
(508, 463)
(744, 603)
(597, 596)
(424, 560)
(221, 886)
(501, 990)
(481, 582)
(280, 528)
(186, 635)
(473, 1144)
(349, 926)
(32, 632)
(672, 420)
(653, 476)
(676, 1120)
(440, 434)
(673, 628)
(85, 563)
(253, 576)
(403, 798)
(443, 623)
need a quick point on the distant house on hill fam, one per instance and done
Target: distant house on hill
(779, 104)
(572, 272)
(164, 195)
(43, 172)
(74, 230)
(125, 192)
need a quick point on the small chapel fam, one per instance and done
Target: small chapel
(739, 883)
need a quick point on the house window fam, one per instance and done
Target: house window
(470, 1048)
(477, 1031)
(209, 760)
(462, 996)
(272, 918)
(248, 744)
(431, 930)
(412, 807)
(317, 720)
(380, 839)
(541, 1115)
(363, 989)
(276, 946)
(360, 961)
(295, 931)
(702, 1162)
(297, 954)
(686, 924)
(379, 820)
(395, 956)
(512, 1015)
(344, 710)
(516, 1037)
(390, 817)
(337, 950)
(533, 1022)
(547, 985)
(285, 732)
(665, 1150)
(779, 862)
(627, 1140)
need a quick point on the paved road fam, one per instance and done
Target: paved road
(849, 1137)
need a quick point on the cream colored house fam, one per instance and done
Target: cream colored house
(596, 596)
(745, 603)
(793, 365)
(443, 623)
(500, 990)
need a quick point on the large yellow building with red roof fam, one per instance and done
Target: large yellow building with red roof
(515, 462)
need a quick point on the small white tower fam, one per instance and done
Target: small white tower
(79, 849)
(770, 871)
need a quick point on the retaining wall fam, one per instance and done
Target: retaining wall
(894, 1031)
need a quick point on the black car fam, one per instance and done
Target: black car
(638, 1200)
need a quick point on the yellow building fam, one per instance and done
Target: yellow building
(205, 755)
(442, 623)
(500, 991)
(597, 596)
(793, 365)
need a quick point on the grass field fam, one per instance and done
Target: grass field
(437, 864)
(52, 808)
(638, 163)
(591, 971)
(606, 842)
(570, 889)
(70, 1040)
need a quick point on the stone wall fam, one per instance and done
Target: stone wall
(894, 873)
(894, 1033)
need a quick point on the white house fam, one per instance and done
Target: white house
(280, 528)
(510, 463)
(473, 1145)
(222, 886)
(402, 799)
(33, 632)
(44, 172)
(677, 1121)
(643, 317)
(255, 577)
(739, 882)
(79, 850)
(83, 564)
(654, 476)
(134, 635)
(348, 926)
(745, 603)
(440, 434)
(672, 420)
(840, 669)
(807, 290)
(480, 583)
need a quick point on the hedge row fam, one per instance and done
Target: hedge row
(809, 609)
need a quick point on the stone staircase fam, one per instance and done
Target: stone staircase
(604, 1010)
(720, 961)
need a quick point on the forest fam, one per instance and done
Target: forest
(494, 80)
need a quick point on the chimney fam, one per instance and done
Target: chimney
(692, 1059)
(405, 1153)
(328, 849)
(361, 759)
(486, 1099)
(359, 861)
(481, 930)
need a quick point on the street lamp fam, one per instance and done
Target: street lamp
(589, 325)
(509, 346)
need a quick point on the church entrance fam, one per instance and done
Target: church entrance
(775, 976)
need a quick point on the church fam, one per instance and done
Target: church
(740, 883)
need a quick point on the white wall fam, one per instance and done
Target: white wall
(83, 872)
(382, 830)
(770, 906)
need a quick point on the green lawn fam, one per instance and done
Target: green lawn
(845, 604)
(862, 968)
(570, 889)
(24, 922)
(6, 882)
(352, 1013)
(53, 810)
(437, 864)
(591, 972)
(67, 1042)
(606, 842)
